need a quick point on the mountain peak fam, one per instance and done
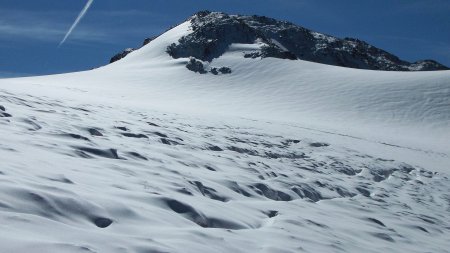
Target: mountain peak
(214, 32)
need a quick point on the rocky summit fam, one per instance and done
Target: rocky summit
(213, 33)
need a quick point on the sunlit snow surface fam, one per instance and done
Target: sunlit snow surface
(279, 156)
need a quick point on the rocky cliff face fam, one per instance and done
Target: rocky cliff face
(214, 32)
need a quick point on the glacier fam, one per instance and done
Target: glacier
(143, 155)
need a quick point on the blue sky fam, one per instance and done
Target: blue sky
(30, 30)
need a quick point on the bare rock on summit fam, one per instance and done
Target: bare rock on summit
(214, 32)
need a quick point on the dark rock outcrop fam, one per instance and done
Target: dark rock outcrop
(121, 55)
(127, 51)
(196, 66)
(427, 65)
(222, 70)
(148, 40)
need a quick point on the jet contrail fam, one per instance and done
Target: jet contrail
(80, 16)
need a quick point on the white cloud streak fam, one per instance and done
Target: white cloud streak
(80, 16)
(23, 26)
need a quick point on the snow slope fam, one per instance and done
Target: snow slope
(280, 156)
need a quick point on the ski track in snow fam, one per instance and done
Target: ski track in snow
(98, 178)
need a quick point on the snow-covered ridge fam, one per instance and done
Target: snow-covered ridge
(408, 108)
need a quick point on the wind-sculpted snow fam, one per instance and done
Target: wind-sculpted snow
(94, 177)
(276, 156)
